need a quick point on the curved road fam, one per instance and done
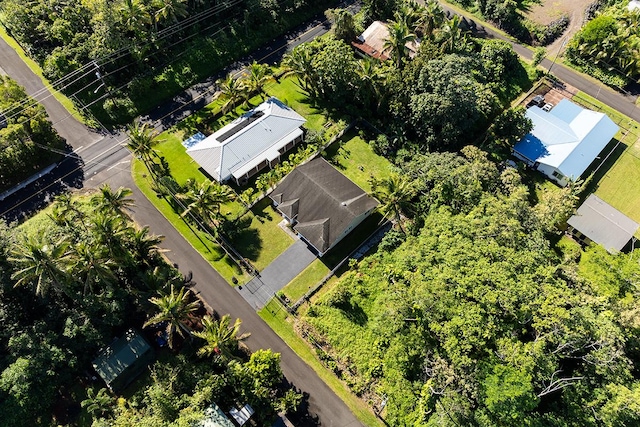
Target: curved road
(106, 161)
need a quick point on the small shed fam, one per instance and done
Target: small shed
(123, 360)
(599, 222)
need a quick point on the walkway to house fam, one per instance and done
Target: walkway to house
(276, 275)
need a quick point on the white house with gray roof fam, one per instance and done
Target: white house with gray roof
(565, 140)
(250, 143)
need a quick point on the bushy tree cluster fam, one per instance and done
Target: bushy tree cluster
(607, 46)
(28, 141)
(475, 320)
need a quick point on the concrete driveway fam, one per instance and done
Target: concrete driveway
(276, 275)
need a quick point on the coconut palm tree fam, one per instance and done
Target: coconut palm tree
(110, 231)
(169, 11)
(134, 15)
(222, 339)
(395, 194)
(396, 43)
(431, 18)
(344, 26)
(256, 77)
(43, 264)
(143, 246)
(98, 404)
(371, 82)
(232, 91)
(204, 200)
(451, 36)
(142, 138)
(300, 64)
(90, 267)
(174, 309)
(113, 201)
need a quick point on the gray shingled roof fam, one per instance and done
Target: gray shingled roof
(322, 200)
(603, 224)
(248, 140)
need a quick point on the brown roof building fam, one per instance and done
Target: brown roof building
(322, 204)
(371, 42)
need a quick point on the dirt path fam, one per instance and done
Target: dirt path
(550, 10)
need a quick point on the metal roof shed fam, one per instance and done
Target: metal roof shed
(601, 223)
(123, 360)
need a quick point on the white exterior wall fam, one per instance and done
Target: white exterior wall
(549, 170)
(356, 221)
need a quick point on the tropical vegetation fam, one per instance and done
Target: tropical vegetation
(28, 141)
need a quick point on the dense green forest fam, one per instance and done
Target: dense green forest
(122, 58)
(75, 277)
(607, 46)
(476, 318)
(28, 141)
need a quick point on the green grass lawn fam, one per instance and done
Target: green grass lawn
(287, 91)
(259, 238)
(617, 180)
(198, 239)
(278, 319)
(355, 158)
(306, 280)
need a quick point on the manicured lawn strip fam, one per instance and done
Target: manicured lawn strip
(287, 91)
(278, 322)
(259, 237)
(355, 158)
(33, 66)
(620, 186)
(199, 240)
(306, 280)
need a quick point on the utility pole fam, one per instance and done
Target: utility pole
(564, 42)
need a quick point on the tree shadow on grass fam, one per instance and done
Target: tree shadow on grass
(246, 240)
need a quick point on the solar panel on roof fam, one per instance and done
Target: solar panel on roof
(243, 124)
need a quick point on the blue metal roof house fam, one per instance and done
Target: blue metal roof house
(565, 140)
(250, 143)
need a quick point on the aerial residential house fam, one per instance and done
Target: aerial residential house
(123, 360)
(321, 204)
(597, 221)
(371, 42)
(250, 143)
(565, 140)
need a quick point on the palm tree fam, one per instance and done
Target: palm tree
(344, 26)
(113, 201)
(143, 246)
(431, 18)
(134, 15)
(232, 90)
(142, 138)
(66, 211)
(175, 309)
(90, 267)
(300, 63)
(204, 200)
(98, 403)
(43, 264)
(396, 44)
(395, 194)
(110, 232)
(256, 77)
(451, 36)
(170, 11)
(372, 81)
(221, 338)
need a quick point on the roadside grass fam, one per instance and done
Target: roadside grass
(282, 324)
(200, 241)
(35, 68)
(355, 158)
(258, 237)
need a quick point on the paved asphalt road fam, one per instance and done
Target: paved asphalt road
(106, 161)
